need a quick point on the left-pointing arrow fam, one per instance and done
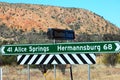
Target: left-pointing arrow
(2, 50)
(117, 46)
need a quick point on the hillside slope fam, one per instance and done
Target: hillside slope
(40, 17)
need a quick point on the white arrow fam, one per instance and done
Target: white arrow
(2, 50)
(118, 46)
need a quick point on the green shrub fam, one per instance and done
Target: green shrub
(110, 59)
(119, 58)
(8, 60)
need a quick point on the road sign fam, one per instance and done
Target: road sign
(56, 59)
(60, 48)
(60, 34)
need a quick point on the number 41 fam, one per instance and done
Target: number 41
(9, 49)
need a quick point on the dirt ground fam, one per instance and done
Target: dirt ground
(80, 72)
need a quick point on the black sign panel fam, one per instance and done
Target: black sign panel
(60, 34)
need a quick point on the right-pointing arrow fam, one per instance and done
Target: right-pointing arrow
(118, 46)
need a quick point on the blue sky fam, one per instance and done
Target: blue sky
(109, 9)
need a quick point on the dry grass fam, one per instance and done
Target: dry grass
(80, 72)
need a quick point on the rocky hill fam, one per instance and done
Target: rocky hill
(28, 23)
(40, 17)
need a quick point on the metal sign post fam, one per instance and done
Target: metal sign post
(54, 72)
(71, 72)
(0, 73)
(88, 71)
(28, 67)
(71, 75)
(54, 66)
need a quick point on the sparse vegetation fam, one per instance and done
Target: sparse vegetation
(110, 59)
(41, 17)
(24, 23)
